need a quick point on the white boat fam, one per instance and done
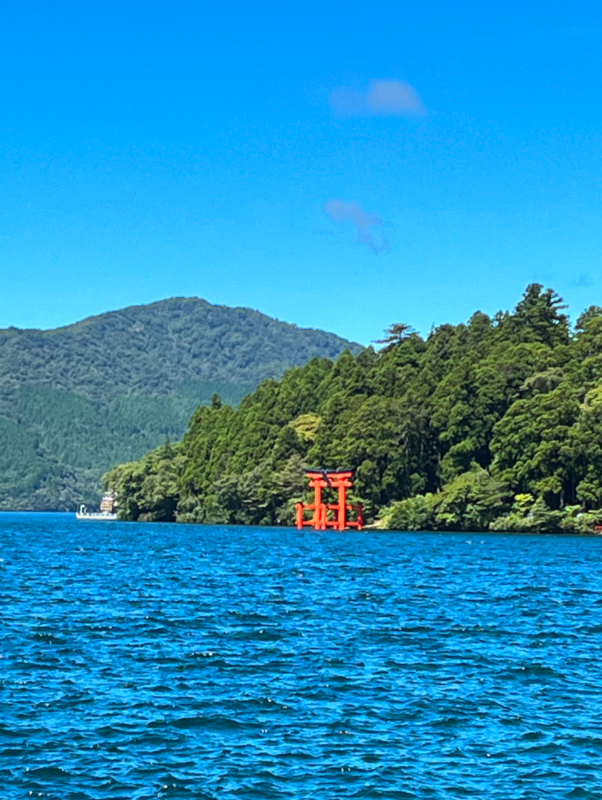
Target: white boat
(107, 511)
(81, 513)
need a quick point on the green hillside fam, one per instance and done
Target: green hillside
(493, 424)
(77, 400)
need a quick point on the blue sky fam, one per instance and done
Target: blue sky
(337, 165)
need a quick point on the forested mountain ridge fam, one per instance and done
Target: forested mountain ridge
(493, 424)
(154, 348)
(76, 400)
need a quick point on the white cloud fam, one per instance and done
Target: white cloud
(365, 224)
(383, 98)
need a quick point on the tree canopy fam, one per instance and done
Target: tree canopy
(77, 400)
(491, 424)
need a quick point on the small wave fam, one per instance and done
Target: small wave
(210, 722)
(532, 672)
(195, 662)
(49, 772)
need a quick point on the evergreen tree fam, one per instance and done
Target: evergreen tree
(495, 424)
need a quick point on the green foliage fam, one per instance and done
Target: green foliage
(538, 318)
(530, 515)
(417, 513)
(306, 426)
(494, 424)
(532, 445)
(113, 387)
(471, 501)
(395, 334)
(28, 478)
(147, 490)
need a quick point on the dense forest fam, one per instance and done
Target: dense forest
(77, 400)
(495, 424)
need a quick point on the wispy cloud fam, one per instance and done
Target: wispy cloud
(366, 225)
(383, 98)
(583, 282)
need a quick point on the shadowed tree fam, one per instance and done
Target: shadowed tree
(394, 335)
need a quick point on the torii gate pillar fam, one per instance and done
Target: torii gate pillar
(338, 519)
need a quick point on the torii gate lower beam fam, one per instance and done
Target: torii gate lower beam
(332, 479)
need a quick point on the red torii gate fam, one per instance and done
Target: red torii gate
(340, 480)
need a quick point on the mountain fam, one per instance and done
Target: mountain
(74, 401)
(492, 424)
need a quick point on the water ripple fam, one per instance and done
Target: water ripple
(141, 661)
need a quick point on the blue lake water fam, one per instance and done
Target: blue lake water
(150, 661)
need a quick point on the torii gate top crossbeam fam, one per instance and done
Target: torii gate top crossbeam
(340, 480)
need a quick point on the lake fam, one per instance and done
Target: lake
(151, 661)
